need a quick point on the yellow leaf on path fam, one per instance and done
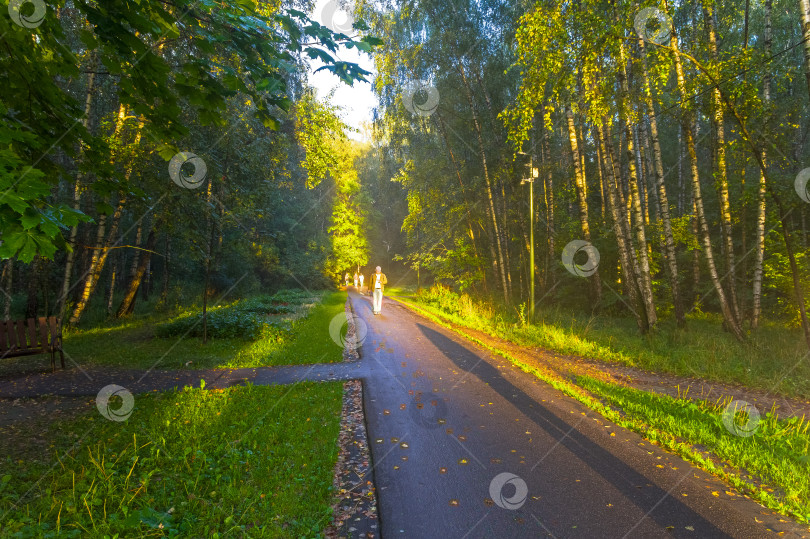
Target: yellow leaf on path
(715, 494)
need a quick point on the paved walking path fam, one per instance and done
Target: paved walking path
(88, 381)
(446, 419)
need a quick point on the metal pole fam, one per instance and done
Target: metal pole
(531, 251)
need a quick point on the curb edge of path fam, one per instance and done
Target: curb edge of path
(356, 509)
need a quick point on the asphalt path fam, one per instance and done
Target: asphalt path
(464, 444)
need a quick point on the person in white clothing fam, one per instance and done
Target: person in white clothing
(377, 284)
(361, 282)
(355, 279)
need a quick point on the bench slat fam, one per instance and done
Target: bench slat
(12, 335)
(31, 336)
(53, 328)
(22, 343)
(33, 341)
(43, 332)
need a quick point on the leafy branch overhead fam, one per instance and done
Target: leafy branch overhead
(158, 62)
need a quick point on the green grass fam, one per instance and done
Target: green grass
(134, 343)
(774, 358)
(312, 342)
(776, 451)
(772, 465)
(404, 290)
(245, 461)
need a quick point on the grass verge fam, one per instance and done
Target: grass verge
(296, 337)
(246, 461)
(771, 465)
(773, 358)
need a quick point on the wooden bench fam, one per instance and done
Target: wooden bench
(33, 336)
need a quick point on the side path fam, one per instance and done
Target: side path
(464, 444)
(89, 381)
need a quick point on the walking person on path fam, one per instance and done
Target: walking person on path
(355, 279)
(361, 282)
(347, 279)
(377, 284)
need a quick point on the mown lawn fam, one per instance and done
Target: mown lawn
(295, 337)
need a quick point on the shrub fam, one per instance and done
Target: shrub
(223, 323)
(290, 295)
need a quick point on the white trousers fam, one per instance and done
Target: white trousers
(377, 300)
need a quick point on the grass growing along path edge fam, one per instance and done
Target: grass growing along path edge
(773, 359)
(771, 466)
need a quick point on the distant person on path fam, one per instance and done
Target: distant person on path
(361, 282)
(355, 279)
(347, 279)
(377, 284)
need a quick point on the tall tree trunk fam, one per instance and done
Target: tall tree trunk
(32, 303)
(133, 267)
(111, 289)
(490, 198)
(548, 188)
(619, 225)
(670, 253)
(452, 155)
(77, 195)
(641, 258)
(728, 313)
(127, 305)
(102, 247)
(804, 8)
(164, 294)
(756, 308)
(6, 280)
(582, 198)
(721, 174)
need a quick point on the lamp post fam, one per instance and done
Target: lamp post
(533, 174)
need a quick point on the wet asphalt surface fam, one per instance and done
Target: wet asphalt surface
(446, 418)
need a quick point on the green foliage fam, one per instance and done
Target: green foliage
(245, 319)
(289, 295)
(161, 63)
(222, 323)
(347, 230)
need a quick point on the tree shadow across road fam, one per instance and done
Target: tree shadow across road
(652, 500)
